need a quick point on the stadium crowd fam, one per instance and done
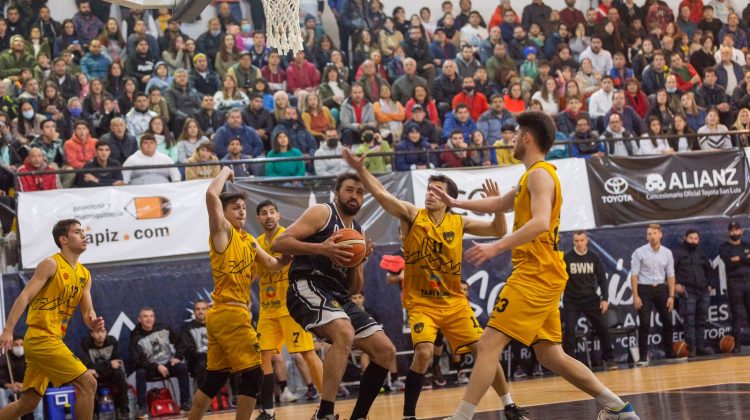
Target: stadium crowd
(620, 79)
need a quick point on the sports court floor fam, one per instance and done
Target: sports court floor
(718, 388)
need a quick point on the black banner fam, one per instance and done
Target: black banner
(668, 187)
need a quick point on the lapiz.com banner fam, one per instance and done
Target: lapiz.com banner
(668, 187)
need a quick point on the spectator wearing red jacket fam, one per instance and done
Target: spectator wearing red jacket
(454, 154)
(475, 101)
(301, 75)
(40, 182)
(687, 78)
(696, 9)
(80, 148)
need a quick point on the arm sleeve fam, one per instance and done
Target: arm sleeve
(670, 264)
(635, 263)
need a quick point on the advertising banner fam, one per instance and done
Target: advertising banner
(577, 212)
(123, 223)
(668, 187)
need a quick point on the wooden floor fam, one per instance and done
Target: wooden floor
(662, 379)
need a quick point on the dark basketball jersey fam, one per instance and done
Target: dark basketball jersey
(320, 267)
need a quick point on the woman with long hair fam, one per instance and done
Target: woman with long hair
(52, 104)
(686, 140)
(317, 117)
(422, 97)
(485, 157)
(114, 83)
(36, 44)
(363, 48)
(580, 41)
(337, 59)
(94, 101)
(712, 136)
(280, 104)
(514, 101)
(321, 53)
(389, 113)
(571, 91)
(333, 89)
(229, 96)
(165, 143)
(563, 57)
(661, 109)
(389, 38)
(588, 82)
(654, 143)
(227, 56)
(261, 87)
(635, 97)
(112, 41)
(174, 56)
(548, 97)
(695, 115)
(126, 98)
(281, 147)
(742, 123)
(374, 16)
(67, 38)
(190, 138)
(28, 124)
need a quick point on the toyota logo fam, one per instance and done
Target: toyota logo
(616, 185)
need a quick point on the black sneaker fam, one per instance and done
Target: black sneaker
(265, 416)
(611, 365)
(185, 407)
(437, 377)
(514, 412)
(142, 413)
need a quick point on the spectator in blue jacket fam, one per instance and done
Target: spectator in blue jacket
(299, 137)
(95, 64)
(234, 128)
(491, 122)
(459, 119)
(412, 141)
(722, 78)
(585, 140)
(654, 75)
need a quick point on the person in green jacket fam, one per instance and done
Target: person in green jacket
(15, 58)
(374, 142)
(282, 148)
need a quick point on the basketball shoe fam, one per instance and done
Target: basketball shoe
(626, 413)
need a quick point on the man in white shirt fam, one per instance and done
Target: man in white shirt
(618, 141)
(600, 101)
(139, 116)
(601, 59)
(145, 156)
(737, 55)
(472, 33)
(330, 147)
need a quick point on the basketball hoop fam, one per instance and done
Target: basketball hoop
(282, 25)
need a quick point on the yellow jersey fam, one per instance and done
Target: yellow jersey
(432, 252)
(273, 284)
(539, 262)
(233, 269)
(51, 308)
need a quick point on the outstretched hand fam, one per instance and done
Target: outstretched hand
(356, 162)
(481, 253)
(491, 189)
(443, 196)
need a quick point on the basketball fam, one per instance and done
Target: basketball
(726, 344)
(680, 348)
(357, 242)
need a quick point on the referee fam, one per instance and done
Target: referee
(585, 273)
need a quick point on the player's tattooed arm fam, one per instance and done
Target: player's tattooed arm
(403, 210)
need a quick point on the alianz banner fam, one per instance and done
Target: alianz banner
(668, 187)
(121, 223)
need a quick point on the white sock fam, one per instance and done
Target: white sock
(465, 411)
(506, 399)
(609, 400)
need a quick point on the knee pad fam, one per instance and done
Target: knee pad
(250, 382)
(213, 382)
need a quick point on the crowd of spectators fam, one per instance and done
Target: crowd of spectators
(620, 78)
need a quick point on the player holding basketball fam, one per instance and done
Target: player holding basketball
(275, 325)
(432, 277)
(527, 308)
(58, 285)
(319, 294)
(232, 341)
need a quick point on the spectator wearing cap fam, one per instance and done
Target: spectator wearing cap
(441, 47)
(413, 151)
(403, 87)
(147, 155)
(492, 121)
(475, 101)
(459, 119)
(356, 114)
(15, 58)
(734, 254)
(529, 69)
(244, 72)
(102, 159)
(202, 78)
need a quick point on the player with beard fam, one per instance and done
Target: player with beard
(433, 248)
(319, 295)
(232, 342)
(275, 326)
(58, 285)
(527, 308)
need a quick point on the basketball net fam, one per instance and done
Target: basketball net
(282, 25)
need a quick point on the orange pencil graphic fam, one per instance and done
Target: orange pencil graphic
(143, 208)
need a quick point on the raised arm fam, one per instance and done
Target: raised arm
(44, 271)
(493, 204)
(404, 211)
(542, 190)
(291, 242)
(218, 226)
(497, 227)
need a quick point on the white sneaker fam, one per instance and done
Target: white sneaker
(462, 378)
(398, 385)
(642, 363)
(626, 413)
(287, 396)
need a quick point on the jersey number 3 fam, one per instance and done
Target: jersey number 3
(502, 304)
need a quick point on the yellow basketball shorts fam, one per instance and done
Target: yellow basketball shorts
(232, 341)
(458, 325)
(48, 359)
(527, 315)
(274, 332)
